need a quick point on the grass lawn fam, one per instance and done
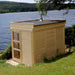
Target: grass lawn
(63, 66)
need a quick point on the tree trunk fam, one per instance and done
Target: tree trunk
(41, 17)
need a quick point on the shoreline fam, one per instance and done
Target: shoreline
(34, 11)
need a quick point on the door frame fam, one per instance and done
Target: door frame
(20, 42)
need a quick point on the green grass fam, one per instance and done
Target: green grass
(63, 66)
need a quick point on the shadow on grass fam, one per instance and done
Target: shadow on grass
(53, 59)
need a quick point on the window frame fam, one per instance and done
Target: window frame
(16, 41)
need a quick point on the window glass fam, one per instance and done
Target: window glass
(17, 54)
(16, 45)
(16, 36)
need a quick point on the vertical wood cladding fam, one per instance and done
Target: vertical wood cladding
(47, 41)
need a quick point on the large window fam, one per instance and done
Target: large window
(16, 45)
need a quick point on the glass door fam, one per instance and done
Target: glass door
(16, 45)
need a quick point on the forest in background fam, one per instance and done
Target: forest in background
(6, 7)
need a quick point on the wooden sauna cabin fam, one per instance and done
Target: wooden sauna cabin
(34, 39)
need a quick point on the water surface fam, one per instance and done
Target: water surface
(5, 19)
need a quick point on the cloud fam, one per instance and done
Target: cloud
(30, 1)
(16, 0)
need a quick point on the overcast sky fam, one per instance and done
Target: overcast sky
(28, 1)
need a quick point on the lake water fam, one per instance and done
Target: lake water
(5, 19)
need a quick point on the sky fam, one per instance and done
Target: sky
(27, 1)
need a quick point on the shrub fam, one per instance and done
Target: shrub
(70, 36)
(52, 59)
(1, 52)
(45, 59)
(7, 54)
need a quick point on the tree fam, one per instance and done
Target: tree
(43, 5)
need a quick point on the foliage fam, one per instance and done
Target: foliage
(43, 5)
(70, 36)
(6, 7)
(61, 4)
(7, 54)
(73, 49)
(56, 58)
(1, 52)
